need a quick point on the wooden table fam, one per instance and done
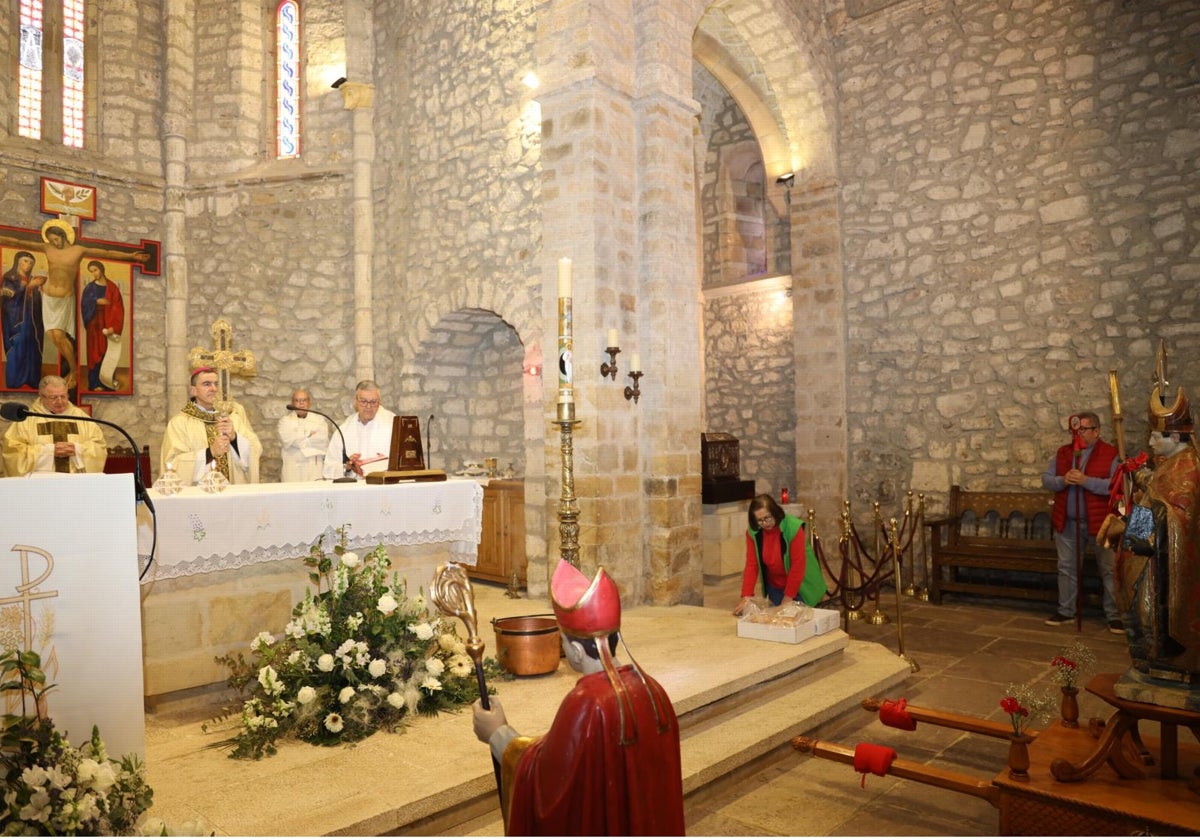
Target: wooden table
(1121, 746)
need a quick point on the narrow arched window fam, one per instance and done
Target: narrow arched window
(29, 83)
(36, 92)
(287, 80)
(72, 73)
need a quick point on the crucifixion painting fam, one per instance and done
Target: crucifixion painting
(66, 305)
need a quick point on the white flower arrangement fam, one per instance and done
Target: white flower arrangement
(51, 788)
(359, 656)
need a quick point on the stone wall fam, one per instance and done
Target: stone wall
(1019, 217)
(751, 379)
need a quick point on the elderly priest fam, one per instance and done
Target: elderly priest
(39, 444)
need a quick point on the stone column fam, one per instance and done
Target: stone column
(669, 311)
(178, 17)
(819, 318)
(617, 161)
(358, 98)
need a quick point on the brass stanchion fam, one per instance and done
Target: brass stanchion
(923, 589)
(851, 578)
(895, 548)
(879, 616)
(910, 588)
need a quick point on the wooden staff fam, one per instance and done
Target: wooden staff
(1114, 397)
(452, 594)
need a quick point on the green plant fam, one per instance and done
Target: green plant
(51, 787)
(359, 656)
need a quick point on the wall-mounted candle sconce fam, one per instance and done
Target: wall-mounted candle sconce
(609, 368)
(635, 373)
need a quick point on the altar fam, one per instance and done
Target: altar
(226, 566)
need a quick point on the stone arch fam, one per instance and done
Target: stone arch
(469, 370)
(776, 64)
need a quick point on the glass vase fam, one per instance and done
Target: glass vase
(1070, 706)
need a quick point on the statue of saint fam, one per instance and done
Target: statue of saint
(1159, 570)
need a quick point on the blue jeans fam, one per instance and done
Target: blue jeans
(1064, 541)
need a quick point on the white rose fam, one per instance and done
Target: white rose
(423, 630)
(395, 700)
(105, 778)
(325, 663)
(346, 694)
(306, 695)
(377, 668)
(350, 560)
(387, 604)
(435, 666)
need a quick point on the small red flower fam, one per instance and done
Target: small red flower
(1063, 662)
(1010, 705)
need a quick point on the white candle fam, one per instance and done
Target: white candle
(635, 362)
(564, 277)
(612, 339)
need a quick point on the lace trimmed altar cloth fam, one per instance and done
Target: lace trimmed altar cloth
(246, 524)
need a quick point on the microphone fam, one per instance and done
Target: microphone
(16, 412)
(428, 451)
(345, 479)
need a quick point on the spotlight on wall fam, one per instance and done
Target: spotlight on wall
(341, 81)
(786, 179)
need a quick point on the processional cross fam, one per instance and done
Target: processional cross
(225, 360)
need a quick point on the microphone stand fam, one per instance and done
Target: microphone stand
(428, 451)
(345, 479)
(139, 486)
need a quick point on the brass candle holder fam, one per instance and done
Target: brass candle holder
(634, 392)
(609, 368)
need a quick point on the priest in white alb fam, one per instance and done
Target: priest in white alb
(303, 439)
(40, 444)
(200, 435)
(368, 434)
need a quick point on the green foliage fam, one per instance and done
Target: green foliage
(51, 787)
(359, 656)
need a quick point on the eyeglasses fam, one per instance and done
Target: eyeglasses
(367, 403)
(1089, 428)
(765, 520)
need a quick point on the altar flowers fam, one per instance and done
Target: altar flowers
(359, 656)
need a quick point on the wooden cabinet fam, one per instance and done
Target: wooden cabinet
(502, 542)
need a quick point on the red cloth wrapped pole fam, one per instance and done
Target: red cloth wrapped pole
(872, 758)
(894, 713)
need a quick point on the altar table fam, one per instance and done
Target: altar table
(227, 565)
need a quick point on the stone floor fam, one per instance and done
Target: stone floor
(968, 651)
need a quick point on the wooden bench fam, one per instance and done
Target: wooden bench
(996, 543)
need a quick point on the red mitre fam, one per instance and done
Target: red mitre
(585, 609)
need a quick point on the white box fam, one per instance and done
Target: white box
(825, 621)
(776, 632)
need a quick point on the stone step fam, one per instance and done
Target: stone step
(729, 736)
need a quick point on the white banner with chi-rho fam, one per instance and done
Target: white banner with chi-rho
(69, 591)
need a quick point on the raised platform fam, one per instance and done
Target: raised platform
(737, 699)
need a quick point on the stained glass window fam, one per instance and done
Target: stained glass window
(29, 85)
(31, 81)
(73, 111)
(287, 76)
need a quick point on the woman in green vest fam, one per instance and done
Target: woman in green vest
(778, 554)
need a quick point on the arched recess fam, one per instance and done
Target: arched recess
(774, 59)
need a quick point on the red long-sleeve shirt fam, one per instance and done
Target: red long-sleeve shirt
(773, 560)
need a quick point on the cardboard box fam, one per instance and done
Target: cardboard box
(825, 621)
(776, 632)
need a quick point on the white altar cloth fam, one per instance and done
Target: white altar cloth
(201, 532)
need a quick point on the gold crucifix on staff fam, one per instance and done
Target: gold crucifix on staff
(224, 360)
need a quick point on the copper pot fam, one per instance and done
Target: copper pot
(527, 644)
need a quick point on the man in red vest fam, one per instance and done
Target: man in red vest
(1079, 477)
